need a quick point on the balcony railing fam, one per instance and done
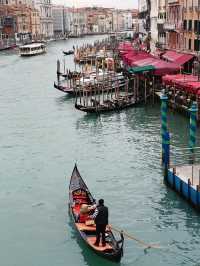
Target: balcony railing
(160, 20)
(169, 26)
(172, 1)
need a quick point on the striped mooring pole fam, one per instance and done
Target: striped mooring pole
(164, 99)
(166, 159)
(193, 126)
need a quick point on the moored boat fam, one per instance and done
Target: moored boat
(107, 105)
(68, 52)
(79, 194)
(64, 89)
(32, 49)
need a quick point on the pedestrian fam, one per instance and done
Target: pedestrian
(100, 217)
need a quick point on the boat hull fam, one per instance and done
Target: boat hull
(32, 54)
(64, 89)
(79, 194)
(68, 53)
(112, 257)
(103, 109)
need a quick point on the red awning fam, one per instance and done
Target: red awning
(187, 83)
(162, 67)
(178, 58)
(179, 79)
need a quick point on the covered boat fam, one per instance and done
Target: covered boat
(79, 194)
(34, 48)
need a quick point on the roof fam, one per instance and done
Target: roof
(188, 83)
(179, 79)
(31, 45)
(179, 58)
(161, 67)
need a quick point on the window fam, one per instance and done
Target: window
(198, 30)
(189, 25)
(197, 45)
(189, 44)
(185, 24)
(195, 25)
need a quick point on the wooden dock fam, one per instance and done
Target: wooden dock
(189, 171)
(185, 180)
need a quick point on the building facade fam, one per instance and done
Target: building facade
(46, 20)
(7, 27)
(173, 25)
(160, 24)
(191, 25)
(35, 24)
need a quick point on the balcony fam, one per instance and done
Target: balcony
(172, 1)
(160, 21)
(169, 26)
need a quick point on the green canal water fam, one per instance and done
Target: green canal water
(118, 155)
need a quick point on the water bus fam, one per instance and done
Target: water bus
(32, 49)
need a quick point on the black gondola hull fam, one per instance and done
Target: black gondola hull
(115, 257)
(68, 52)
(64, 89)
(103, 109)
(114, 250)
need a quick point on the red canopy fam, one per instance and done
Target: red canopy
(161, 66)
(187, 83)
(178, 58)
(136, 57)
(178, 79)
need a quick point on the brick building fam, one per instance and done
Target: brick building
(191, 25)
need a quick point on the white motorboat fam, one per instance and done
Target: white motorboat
(32, 49)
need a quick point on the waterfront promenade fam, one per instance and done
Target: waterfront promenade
(119, 155)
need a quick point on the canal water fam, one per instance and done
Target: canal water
(118, 155)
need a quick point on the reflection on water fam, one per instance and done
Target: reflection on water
(89, 256)
(64, 98)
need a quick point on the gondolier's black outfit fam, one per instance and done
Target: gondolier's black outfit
(101, 220)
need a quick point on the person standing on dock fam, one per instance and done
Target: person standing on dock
(100, 217)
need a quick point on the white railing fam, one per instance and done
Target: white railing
(160, 20)
(184, 156)
(169, 26)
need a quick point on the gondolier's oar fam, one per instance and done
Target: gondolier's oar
(141, 242)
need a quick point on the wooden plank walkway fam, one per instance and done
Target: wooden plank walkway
(188, 171)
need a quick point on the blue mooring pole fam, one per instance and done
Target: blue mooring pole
(164, 99)
(193, 127)
(166, 159)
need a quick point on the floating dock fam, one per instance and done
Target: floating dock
(185, 180)
(182, 166)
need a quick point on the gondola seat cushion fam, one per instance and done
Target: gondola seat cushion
(83, 217)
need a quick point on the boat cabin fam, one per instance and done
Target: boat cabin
(32, 49)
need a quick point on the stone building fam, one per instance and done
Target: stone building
(35, 24)
(144, 9)
(173, 25)
(7, 27)
(46, 20)
(160, 24)
(135, 20)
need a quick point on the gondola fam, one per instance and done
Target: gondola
(64, 89)
(68, 52)
(79, 194)
(107, 106)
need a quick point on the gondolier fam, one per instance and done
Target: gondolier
(100, 217)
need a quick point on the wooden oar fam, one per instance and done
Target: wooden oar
(141, 242)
